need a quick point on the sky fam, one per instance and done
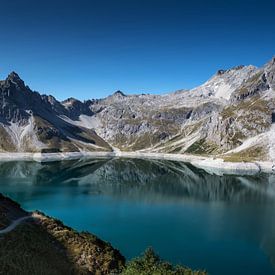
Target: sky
(91, 48)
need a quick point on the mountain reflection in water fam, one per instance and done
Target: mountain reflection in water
(240, 209)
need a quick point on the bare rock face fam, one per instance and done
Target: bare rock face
(14, 94)
(203, 120)
(270, 73)
(232, 107)
(30, 122)
(75, 108)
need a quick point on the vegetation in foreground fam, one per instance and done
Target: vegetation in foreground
(150, 263)
(49, 247)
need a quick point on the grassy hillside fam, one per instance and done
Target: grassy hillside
(43, 245)
(46, 246)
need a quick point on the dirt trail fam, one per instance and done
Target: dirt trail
(17, 222)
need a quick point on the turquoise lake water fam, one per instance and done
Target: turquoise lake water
(224, 224)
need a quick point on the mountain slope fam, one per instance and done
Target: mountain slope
(30, 122)
(232, 107)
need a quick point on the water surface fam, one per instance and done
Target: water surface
(225, 225)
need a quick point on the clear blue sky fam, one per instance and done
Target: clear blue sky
(90, 48)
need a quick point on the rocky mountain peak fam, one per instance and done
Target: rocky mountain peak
(51, 99)
(235, 68)
(76, 107)
(221, 72)
(115, 97)
(225, 82)
(119, 93)
(70, 101)
(13, 74)
(15, 78)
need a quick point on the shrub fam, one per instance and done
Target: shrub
(151, 263)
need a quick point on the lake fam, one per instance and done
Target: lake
(224, 224)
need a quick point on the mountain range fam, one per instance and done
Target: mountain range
(231, 115)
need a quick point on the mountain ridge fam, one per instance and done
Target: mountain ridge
(215, 118)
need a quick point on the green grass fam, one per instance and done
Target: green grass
(253, 104)
(24, 250)
(203, 147)
(255, 153)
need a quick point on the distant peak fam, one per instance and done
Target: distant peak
(14, 77)
(235, 68)
(50, 98)
(71, 101)
(119, 93)
(220, 72)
